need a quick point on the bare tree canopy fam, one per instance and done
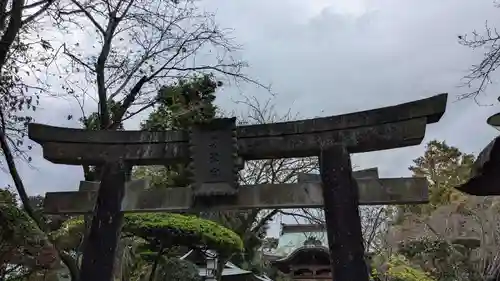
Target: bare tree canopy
(480, 75)
(135, 47)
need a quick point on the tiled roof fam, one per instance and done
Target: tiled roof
(290, 241)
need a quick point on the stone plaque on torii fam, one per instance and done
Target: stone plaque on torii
(214, 150)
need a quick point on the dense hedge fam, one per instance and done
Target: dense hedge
(176, 229)
(168, 229)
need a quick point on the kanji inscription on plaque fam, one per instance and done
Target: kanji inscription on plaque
(214, 156)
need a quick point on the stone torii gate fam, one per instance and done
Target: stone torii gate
(213, 151)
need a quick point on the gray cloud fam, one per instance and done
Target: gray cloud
(330, 61)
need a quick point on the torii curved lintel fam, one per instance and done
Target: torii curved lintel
(377, 129)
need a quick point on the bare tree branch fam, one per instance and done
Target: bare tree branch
(85, 11)
(38, 13)
(479, 76)
(12, 30)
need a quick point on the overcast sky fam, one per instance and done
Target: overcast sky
(327, 57)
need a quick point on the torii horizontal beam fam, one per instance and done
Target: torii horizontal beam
(363, 139)
(431, 108)
(377, 129)
(390, 191)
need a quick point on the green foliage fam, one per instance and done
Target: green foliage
(163, 176)
(173, 269)
(443, 260)
(20, 237)
(70, 235)
(15, 225)
(251, 258)
(161, 229)
(444, 167)
(179, 106)
(8, 197)
(399, 269)
(183, 103)
(175, 229)
(424, 246)
(92, 122)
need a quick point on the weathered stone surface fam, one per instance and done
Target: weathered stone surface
(303, 195)
(360, 174)
(45, 133)
(140, 184)
(364, 139)
(343, 223)
(138, 154)
(485, 178)
(431, 109)
(132, 189)
(213, 157)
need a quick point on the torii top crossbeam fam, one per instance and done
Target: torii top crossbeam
(383, 128)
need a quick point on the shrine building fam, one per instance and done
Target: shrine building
(302, 252)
